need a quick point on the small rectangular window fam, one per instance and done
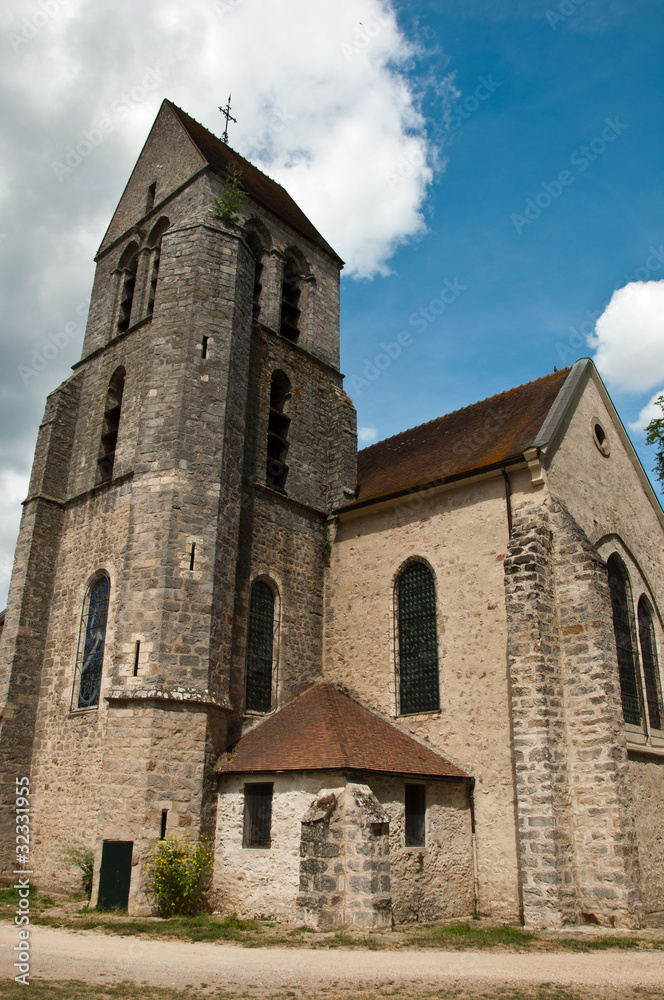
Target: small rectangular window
(415, 815)
(257, 815)
(137, 653)
(204, 348)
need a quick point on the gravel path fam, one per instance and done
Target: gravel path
(96, 957)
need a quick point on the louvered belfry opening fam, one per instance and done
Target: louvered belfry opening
(650, 664)
(290, 300)
(278, 429)
(623, 628)
(128, 266)
(154, 241)
(109, 435)
(418, 641)
(260, 646)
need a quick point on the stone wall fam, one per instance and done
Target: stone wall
(345, 861)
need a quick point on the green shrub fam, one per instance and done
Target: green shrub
(231, 201)
(179, 876)
(84, 859)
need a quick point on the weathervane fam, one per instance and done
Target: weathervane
(226, 112)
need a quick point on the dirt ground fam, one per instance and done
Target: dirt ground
(94, 957)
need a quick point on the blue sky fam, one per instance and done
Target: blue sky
(491, 171)
(535, 288)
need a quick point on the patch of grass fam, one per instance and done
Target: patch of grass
(199, 928)
(466, 936)
(598, 943)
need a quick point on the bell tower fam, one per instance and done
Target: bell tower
(168, 579)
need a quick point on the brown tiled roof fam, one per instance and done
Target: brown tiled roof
(257, 185)
(484, 435)
(324, 730)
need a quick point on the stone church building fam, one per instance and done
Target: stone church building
(416, 683)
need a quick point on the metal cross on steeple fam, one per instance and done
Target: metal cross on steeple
(226, 112)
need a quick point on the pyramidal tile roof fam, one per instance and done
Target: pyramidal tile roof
(484, 435)
(325, 730)
(257, 185)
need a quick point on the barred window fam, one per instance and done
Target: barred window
(90, 658)
(418, 642)
(260, 648)
(257, 831)
(623, 615)
(650, 665)
(416, 803)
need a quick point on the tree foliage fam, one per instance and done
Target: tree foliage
(655, 436)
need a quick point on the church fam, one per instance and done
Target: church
(415, 683)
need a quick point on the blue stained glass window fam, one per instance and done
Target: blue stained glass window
(93, 647)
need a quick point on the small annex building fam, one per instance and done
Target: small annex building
(415, 682)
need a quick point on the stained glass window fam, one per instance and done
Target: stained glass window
(89, 680)
(418, 642)
(621, 604)
(260, 634)
(650, 665)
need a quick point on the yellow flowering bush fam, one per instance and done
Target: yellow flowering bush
(179, 876)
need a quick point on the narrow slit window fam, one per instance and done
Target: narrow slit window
(164, 820)
(257, 830)
(149, 201)
(137, 653)
(418, 641)
(621, 607)
(260, 648)
(111, 425)
(415, 815)
(277, 432)
(192, 557)
(650, 665)
(204, 348)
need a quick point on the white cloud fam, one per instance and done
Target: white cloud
(649, 412)
(629, 337)
(366, 435)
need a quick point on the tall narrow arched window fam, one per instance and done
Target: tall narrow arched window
(418, 641)
(623, 628)
(109, 434)
(258, 241)
(127, 266)
(291, 290)
(154, 241)
(260, 648)
(277, 432)
(90, 658)
(650, 664)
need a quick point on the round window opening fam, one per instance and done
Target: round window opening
(600, 438)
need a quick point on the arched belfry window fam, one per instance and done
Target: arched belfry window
(154, 241)
(623, 628)
(90, 658)
(109, 435)
(418, 641)
(259, 241)
(127, 266)
(277, 433)
(650, 664)
(291, 290)
(260, 648)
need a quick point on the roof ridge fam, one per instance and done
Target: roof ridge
(461, 409)
(231, 149)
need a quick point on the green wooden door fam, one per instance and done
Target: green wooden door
(115, 875)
